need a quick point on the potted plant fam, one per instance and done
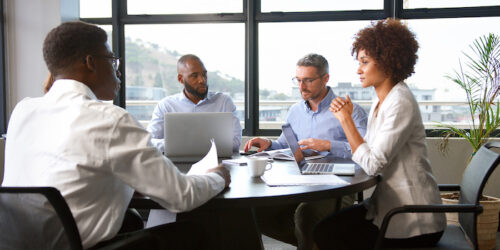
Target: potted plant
(480, 79)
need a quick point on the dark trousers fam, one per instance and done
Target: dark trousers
(348, 229)
(178, 235)
(294, 223)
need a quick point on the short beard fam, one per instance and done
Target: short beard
(193, 91)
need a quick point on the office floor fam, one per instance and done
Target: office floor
(272, 244)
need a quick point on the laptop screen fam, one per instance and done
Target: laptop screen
(294, 145)
(188, 135)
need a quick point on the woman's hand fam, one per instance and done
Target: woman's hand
(341, 108)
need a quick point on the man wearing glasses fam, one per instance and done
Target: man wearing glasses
(318, 131)
(95, 153)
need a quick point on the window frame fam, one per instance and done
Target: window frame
(3, 94)
(252, 17)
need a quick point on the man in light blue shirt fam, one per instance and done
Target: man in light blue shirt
(317, 130)
(315, 127)
(194, 98)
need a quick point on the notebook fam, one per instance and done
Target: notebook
(314, 168)
(188, 135)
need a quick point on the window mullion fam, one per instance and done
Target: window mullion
(119, 9)
(251, 69)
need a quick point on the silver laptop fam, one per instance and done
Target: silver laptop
(314, 168)
(187, 135)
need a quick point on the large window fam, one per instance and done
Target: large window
(319, 5)
(155, 7)
(250, 49)
(281, 45)
(151, 61)
(414, 4)
(439, 56)
(95, 8)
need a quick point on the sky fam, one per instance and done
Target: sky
(221, 46)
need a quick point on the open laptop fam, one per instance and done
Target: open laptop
(314, 168)
(187, 135)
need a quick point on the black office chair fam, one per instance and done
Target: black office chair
(475, 177)
(39, 218)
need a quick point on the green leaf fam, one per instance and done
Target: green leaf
(479, 77)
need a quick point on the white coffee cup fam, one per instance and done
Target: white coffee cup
(258, 165)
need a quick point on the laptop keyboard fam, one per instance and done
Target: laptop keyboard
(317, 168)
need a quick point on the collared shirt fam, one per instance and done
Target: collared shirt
(214, 102)
(395, 147)
(321, 124)
(96, 154)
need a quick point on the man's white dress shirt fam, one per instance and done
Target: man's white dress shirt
(96, 154)
(395, 147)
(214, 102)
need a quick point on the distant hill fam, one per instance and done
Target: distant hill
(150, 65)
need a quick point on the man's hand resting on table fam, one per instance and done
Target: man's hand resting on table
(223, 172)
(261, 143)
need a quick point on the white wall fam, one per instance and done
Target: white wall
(27, 24)
(448, 168)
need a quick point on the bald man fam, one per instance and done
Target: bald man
(191, 73)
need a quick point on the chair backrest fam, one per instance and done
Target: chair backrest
(474, 179)
(36, 218)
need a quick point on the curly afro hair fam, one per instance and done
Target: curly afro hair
(71, 42)
(392, 45)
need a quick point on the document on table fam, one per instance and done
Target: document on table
(209, 161)
(302, 180)
(163, 216)
(285, 154)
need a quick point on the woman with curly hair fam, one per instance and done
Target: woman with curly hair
(394, 147)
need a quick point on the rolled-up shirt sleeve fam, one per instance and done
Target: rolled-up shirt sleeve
(340, 149)
(280, 143)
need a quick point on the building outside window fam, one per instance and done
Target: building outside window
(228, 37)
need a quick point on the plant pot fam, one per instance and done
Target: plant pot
(451, 199)
(487, 221)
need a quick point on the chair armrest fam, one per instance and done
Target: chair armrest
(435, 208)
(449, 187)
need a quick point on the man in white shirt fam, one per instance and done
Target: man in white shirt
(95, 153)
(195, 97)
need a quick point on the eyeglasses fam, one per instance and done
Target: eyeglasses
(307, 81)
(115, 61)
